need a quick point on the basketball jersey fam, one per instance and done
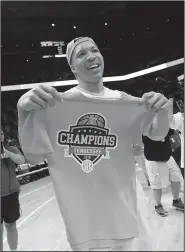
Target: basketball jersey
(87, 141)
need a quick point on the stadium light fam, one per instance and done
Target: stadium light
(60, 55)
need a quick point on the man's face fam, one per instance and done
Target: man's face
(2, 136)
(87, 62)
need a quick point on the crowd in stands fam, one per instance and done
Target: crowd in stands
(35, 69)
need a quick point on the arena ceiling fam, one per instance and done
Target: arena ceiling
(31, 20)
(58, 9)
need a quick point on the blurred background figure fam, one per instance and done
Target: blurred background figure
(10, 208)
(177, 122)
(162, 168)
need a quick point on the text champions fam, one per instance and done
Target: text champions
(76, 139)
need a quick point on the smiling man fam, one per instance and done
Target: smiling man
(85, 58)
(95, 183)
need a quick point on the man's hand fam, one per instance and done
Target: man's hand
(5, 151)
(38, 98)
(17, 157)
(156, 101)
(137, 150)
(5, 155)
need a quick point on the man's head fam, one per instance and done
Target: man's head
(2, 136)
(85, 60)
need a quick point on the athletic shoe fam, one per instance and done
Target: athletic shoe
(178, 204)
(160, 210)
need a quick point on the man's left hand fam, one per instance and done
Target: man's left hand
(5, 151)
(155, 101)
(137, 150)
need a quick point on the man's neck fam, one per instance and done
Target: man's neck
(92, 87)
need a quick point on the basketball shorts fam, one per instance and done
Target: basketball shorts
(10, 208)
(161, 173)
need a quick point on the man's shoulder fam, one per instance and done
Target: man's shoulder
(117, 93)
(71, 90)
(71, 93)
(112, 93)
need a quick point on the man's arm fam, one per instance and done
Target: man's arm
(14, 155)
(159, 127)
(158, 105)
(33, 136)
(137, 150)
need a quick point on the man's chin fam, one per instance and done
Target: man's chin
(97, 76)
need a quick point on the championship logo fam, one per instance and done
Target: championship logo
(87, 141)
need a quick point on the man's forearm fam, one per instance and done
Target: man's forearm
(17, 158)
(159, 127)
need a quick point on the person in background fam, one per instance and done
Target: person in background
(10, 207)
(161, 167)
(177, 122)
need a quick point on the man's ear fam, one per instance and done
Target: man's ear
(73, 69)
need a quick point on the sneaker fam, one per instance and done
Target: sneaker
(178, 204)
(160, 210)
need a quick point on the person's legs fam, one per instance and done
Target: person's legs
(175, 178)
(175, 189)
(157, 194)
(10, 218)
(12, 235)
(159, 178)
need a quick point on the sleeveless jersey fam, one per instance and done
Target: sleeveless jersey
(88, 144)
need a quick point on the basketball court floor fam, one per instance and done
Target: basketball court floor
(41, 227)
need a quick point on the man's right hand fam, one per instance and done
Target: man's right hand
(39, 98)
(137, 150)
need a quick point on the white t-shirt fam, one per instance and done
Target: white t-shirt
(106, 93)
(177, 122)
(87, 139)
